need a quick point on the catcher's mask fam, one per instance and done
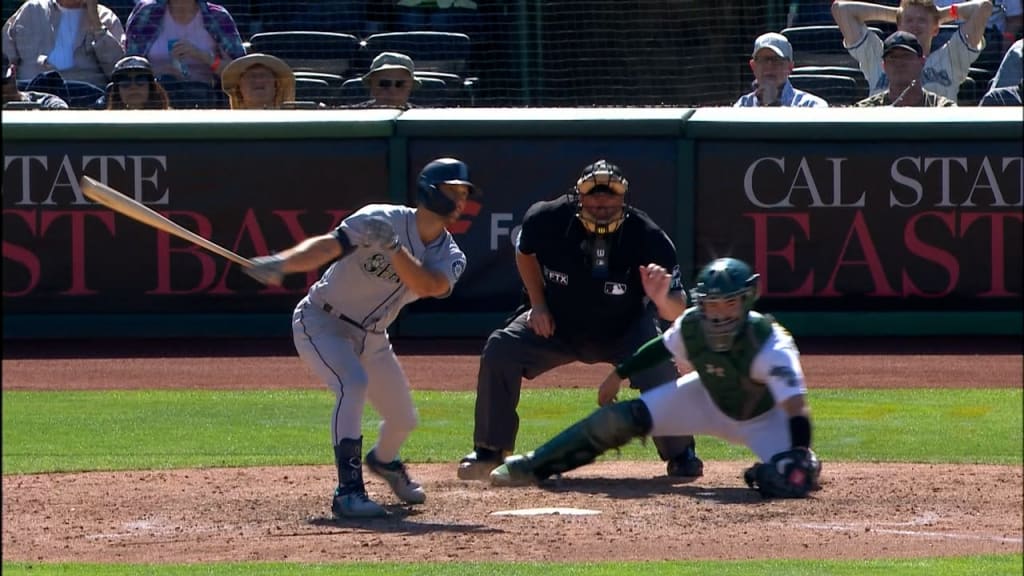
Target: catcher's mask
(442, 171)
(601, 177)
(725, 293)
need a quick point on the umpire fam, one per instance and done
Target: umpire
(580, 257)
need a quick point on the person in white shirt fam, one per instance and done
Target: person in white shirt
(772, 62)
(946, 68)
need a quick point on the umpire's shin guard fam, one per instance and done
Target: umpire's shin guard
(580, 444)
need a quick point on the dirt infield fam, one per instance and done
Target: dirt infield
(279, 514)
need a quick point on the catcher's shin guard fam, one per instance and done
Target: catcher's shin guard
(580, 444)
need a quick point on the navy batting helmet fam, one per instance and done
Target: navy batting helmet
(724, 279)
(442, 171)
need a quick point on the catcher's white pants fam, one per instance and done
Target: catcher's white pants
(684, 407)
(357, 365)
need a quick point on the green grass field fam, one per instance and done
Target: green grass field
(125, 430)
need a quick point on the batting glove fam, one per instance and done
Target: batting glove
(378, 231)
(267, 269)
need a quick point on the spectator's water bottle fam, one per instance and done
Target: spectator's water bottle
(182, 67)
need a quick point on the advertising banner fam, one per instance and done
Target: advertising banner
(63, 253)
(848, 226)
(514, 174)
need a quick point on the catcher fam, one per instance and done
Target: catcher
(748, 388)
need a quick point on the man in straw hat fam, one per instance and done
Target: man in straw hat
(258, 82)
(390, 81)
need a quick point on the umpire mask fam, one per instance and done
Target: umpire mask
(601, 208)
(601, 216)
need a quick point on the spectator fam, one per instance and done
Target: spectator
(189, 43)
(903, 60)
(772, 62)
(1009, 72)
(134, 87)
(437, 15)
(390, 82)
(1006, 96)
(1002, 27)
(81, 39)
(945, 69)
(14, 98)
(257, 82)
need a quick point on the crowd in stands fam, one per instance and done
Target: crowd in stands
(191, 54)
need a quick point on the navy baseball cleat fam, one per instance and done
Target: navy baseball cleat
(686, 465)
(355, 504)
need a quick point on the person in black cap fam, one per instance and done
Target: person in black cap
(903, 60)
(14, 98)
(134, 87)
(598, 276)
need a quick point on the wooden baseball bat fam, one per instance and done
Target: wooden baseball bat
(102, 194)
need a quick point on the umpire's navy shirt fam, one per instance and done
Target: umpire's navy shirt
(585, 307)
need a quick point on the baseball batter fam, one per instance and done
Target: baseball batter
(747, 388)
(382, 257)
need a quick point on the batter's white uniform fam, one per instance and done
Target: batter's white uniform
(686, 407)
(340, 327)
(944, 69)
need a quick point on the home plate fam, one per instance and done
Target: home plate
(543, 511)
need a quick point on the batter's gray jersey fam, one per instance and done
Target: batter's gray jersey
(364, 288)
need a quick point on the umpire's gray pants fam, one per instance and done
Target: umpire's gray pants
(515, 352)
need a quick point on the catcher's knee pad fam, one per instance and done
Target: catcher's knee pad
(578, 445)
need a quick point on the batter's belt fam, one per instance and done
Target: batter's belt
(330, 310)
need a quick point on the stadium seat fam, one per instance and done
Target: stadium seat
(352, 92)
(314, 90)
(433, 93)
(970, 92)
(333, 80)
(836, 90)
(328, 52)
(981, 76)
(461, 91)
(431, 51)
(820, 46)
(855, 73)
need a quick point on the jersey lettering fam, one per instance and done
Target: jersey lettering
(378, 266)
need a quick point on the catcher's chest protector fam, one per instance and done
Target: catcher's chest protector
(726, 375)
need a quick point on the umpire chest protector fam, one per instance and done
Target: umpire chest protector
(726, 375)
(591, 281)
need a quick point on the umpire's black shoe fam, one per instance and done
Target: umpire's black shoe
(687, 465)
(477, 465)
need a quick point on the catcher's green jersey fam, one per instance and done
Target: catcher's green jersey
(761, 368)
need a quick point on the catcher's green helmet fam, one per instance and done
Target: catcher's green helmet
(722, 279)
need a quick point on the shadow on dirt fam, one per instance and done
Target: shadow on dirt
(400, 521)
(638, 488)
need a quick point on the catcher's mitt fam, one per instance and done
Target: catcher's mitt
(789, 474)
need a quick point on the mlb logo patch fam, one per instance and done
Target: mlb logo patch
(614, 288)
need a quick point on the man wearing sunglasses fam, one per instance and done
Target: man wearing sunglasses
(598, 276)
(390, 81)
